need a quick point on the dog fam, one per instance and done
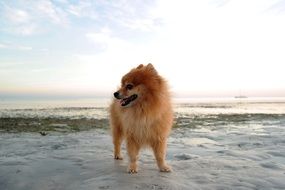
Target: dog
(141, 113)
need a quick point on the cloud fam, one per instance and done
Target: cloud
(9, 66)
(15, 47)
(17, 21)
(16, 15)
(141, 24)
(26, 29)
(3, 46)
(82, 9)
(106, 41)
(133, 15)
(220, 47)
(219, 3)
(54, 13)
(278, 7)
(28, 18)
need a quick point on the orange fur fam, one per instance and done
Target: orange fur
(146, 121)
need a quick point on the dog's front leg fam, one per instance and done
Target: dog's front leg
(133, 151)
(117, 141)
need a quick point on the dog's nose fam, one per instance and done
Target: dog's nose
(116, 94)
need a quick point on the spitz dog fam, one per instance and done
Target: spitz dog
(141, 113)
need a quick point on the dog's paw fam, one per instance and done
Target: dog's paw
(165, 168)
(118, 157)
(132, 169)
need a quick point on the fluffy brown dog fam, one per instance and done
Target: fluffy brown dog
(141, 113)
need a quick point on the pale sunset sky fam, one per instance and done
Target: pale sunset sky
(204, 48)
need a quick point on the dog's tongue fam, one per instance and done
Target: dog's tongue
(122, 102)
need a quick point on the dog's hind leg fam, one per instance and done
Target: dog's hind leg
(159, 149)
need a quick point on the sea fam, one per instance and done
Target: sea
(189, 112)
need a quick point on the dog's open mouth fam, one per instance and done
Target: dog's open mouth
(128, 100)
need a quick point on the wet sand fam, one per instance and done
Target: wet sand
(200, 160)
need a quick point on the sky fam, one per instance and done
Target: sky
(209, 48)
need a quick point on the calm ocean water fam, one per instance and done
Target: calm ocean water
(98, 108)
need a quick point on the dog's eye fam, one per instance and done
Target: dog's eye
(129, 87)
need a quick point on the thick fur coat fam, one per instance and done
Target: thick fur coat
(141, 113)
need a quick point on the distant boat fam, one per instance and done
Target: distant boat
(240, 96)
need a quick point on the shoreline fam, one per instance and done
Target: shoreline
(51, 124)
(190, 121)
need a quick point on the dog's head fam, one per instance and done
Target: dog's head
(139, 85)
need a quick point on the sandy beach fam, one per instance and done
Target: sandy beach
(229, 146)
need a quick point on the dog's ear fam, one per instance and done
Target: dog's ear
(150, 67)
(140, 66)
